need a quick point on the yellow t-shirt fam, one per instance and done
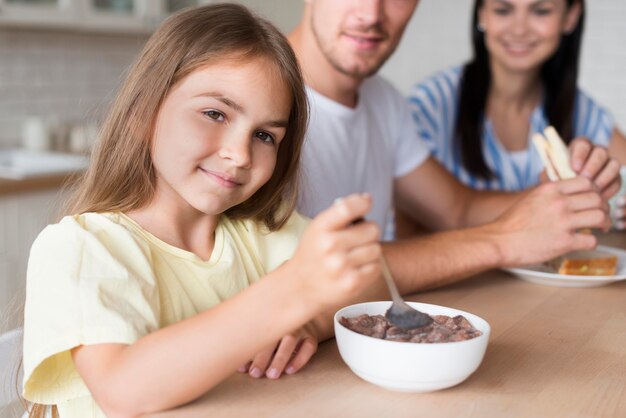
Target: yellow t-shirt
(101, 278)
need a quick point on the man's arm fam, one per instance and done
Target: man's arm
(542, 225)
(435, 198)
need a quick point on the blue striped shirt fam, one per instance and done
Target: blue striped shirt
(434, 105)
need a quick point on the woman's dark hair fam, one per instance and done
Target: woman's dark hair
(559, 78)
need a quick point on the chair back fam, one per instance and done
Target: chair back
(10, 356)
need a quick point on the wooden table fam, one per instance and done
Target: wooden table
(553, 352)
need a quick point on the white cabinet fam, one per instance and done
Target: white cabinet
(158, 10)
(172, 6)
(117, 15)
(140, 16)
(53, 13)
(22, 217)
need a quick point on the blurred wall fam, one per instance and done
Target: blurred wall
(69, 76)
(75, 75)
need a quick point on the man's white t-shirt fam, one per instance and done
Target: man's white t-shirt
(361, 149)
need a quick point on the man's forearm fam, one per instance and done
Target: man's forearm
(483, 207)
(432, 196)
(426, 262)
(430, 261)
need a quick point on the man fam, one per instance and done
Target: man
(362, 138)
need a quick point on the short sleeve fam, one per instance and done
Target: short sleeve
(411, 150)
(433, 104)
(86, 284)
(592, 121)
(274, 248)
(423, 110)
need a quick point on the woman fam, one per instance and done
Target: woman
(479, 118)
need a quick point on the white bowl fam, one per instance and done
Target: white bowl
(406, 366)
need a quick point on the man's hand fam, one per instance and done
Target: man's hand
(594, 162)
(291, 353)
(546, 222)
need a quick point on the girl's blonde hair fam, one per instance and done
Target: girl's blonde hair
(121, 176)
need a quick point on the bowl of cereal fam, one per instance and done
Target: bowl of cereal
(426, 359)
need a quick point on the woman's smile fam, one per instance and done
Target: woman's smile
(519, 48)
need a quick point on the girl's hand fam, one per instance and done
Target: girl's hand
(337, 259)
(291, 353)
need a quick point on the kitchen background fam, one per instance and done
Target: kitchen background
(61, 62)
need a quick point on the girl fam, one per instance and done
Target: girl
(478, 119)
(188, 202)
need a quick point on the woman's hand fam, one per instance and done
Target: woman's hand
(618, 204)
(291, 353)
(618, 212)
(594, 162)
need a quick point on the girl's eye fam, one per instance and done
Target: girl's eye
(265, 137)
(214, 114)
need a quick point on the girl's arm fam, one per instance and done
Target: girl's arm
(176, 364)
(289, 355)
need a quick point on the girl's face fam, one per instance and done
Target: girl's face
(217, 135)
(521, 35)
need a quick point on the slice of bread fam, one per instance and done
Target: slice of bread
(559, 154)
(587, 263)
(554, 154)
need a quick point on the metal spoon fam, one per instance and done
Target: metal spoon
(400, 313)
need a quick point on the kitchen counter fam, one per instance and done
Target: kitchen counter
(26, 170)
(553, 352)
(10, 186)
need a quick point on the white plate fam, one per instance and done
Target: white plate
(541, 274)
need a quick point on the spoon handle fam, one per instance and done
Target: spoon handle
(395, 295)
(393, 290)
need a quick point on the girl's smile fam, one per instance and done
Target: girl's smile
(221, 178)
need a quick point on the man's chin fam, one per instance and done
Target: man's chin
(358, 71)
